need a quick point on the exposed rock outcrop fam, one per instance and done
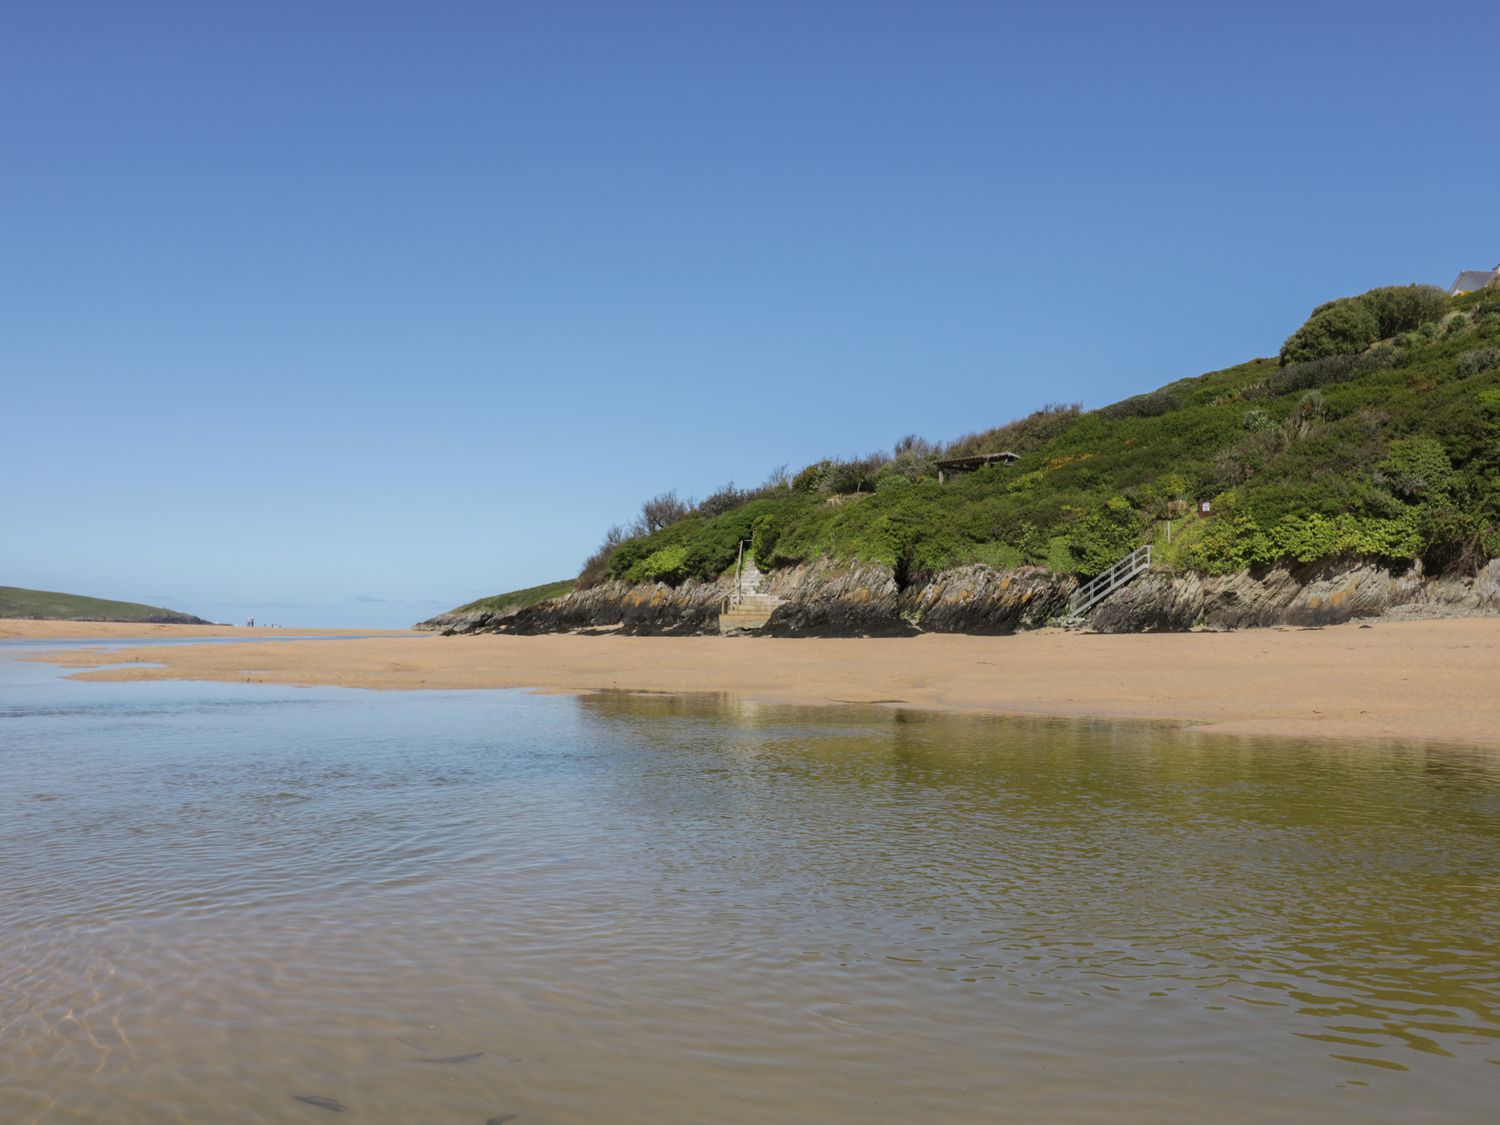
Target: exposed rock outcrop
(830, 599)
(1316, 594)
(655, 608)
(465, 621)
(980, 599)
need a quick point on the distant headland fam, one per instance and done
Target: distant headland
(48, 605)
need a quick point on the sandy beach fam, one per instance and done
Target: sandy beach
(27, 629)
(1415, 680)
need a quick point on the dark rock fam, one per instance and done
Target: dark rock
(825, 598)
(1326, 593)
(980, 599)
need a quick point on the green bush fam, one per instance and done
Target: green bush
(1478, 360)
(1378, 450)
(1101, 537)
(669, 564)
(1416, 469)
(1021, 436)
(1352, 324)
(763, 535)
(810, 478)
(1257, 420)
(1400, 308)
(1313, 373)
(1335, 329)
(1237, 540)
(1150, 405)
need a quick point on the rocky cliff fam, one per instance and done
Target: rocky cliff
(1316, 594)
(828, 599)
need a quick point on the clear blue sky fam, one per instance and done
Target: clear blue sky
(343, 313)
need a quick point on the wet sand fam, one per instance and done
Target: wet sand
(12, 628)
(1413, 680)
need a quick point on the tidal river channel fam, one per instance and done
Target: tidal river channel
(242, 903)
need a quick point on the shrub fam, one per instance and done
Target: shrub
(891, 482)
(1478, 360)
(914, 458)
(596, 566)
(776, 480)
(1024, 483)
(1257, 420)
(1400, 308)
(1352, 324)
(763, 535)
(1151, 405)
(669, 564)
(1235, 540)
(857, 475)
(1102, 536)
(1000, 556)
(914, 446)
(1313, 373)
(1416, 469)
(811, 478)
(1338, 328)
(724, 500)
(1021, 436)
(661, 511)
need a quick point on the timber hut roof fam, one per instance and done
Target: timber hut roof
(977, 461)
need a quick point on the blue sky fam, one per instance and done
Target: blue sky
(343, 313)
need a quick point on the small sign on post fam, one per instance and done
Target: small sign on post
(1204, 507)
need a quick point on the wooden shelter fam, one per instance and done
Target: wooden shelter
(953, 465)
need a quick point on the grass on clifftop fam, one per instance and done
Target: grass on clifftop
(518, 599)
(47, 605)
(1350, 446)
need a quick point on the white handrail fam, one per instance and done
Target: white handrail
(1101, 586)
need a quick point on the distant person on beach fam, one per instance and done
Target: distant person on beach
(250, 622)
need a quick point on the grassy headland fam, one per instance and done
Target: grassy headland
(47, 605)
(1375, 434)
(518, 599)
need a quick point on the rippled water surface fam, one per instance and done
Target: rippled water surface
(451, 907)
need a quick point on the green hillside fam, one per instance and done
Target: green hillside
(46, 605)
(1376, 433)
(518, 599)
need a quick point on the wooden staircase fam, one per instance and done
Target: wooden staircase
(747, 609)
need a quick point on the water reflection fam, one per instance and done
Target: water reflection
(219, 899)
(1352, 887)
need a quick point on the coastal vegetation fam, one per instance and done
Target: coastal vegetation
(1375, 433)
(519, 599)
(47, 605)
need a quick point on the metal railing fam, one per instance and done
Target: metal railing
(1094, 591)
(737, 595)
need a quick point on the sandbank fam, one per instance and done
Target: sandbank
(25, 628)
(1410, 680)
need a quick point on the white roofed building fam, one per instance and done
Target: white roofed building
(1470, 280)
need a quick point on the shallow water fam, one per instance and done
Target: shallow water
(217, 897)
